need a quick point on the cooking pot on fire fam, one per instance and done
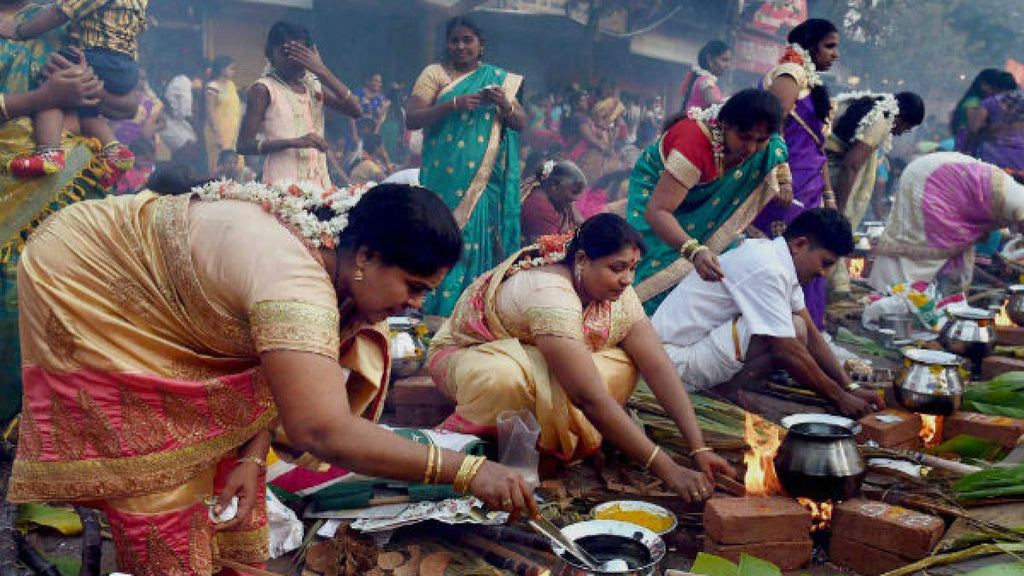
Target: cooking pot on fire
(929, 382)
(971, 333)
(641, 549)
(819, 458)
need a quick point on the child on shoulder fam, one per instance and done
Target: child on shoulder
(107, 32)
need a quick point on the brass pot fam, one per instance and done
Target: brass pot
(971, 333)
(929, 382)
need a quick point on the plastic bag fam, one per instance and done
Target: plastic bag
(518, 431)
(284, 527)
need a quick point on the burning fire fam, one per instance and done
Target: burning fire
(1002, 318)
(855, 266)
(821, 513)
(763, 441)
(931, 430)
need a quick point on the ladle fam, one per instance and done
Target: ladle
(545, 528)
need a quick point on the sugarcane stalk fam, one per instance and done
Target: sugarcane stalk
(92, 542)
(920, 458)
(942, 559)
(33, 559)
(503, 557)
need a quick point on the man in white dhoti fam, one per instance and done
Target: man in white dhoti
(754, 319)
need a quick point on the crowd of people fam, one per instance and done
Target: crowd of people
(233, 292)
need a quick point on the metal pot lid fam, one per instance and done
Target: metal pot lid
(931, 357)
(793, 419)
(971, 314)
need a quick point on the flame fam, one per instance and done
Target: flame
(763, 440)
(931, 430)
(821, 513)
(855, 266)
(1002, 318)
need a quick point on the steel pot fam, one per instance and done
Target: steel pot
(642, 549)
(971, 333)
(819, 458)
(1015, 305)
(408, 349)
(929, 382)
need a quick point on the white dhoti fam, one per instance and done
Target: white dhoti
(714, 359)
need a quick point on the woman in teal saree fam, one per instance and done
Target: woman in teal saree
(700, 185)
(470, 118)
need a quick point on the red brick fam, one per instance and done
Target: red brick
(785, 555)
(861, 558)
(1000, 429)
(995, 365)
(906, 533)
(888, 434)
(1010, 335)
(756, 519)
(418, 391)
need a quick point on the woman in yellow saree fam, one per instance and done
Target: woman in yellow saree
(557, 329)
(159, 347)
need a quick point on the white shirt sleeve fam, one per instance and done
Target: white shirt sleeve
(763, 297)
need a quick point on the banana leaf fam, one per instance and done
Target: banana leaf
(63, 520)
(751, 566)
(1008, 569)
(1000, 396)
(969, 446)
(865, 345)
(991, 483)
(712, 565)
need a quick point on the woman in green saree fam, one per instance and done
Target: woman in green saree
(470, 120)
(700, 185)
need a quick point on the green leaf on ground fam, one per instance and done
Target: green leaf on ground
(1009, 569)
(712, 565)
(64, 520)
(751, 566)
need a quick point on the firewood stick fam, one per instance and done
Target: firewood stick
(726, 484)
(92, 542)
(33, 559)
(513, 561)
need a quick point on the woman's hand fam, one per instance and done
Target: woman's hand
(311, 140)
(71, 87)
(706, 264)
(496, 95)
(501, 488)
(469, 102)
(308, 57)
(243, 481)
(712, 464)
(692, 485)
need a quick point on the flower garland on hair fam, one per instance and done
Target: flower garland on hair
(550, 249)
(796, 54)
(699, 72)
(885, 107)
(709, 116)
(293, 203)
(547, 168)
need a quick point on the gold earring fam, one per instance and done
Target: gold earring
(579, 274)
(358, 275)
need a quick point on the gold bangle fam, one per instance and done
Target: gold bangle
(467, 471)
(437, 469)
(699, 450)
(650, 459)
(688, 247)
(697, 250)
(254, 459)
(430, 463)
(3, 107)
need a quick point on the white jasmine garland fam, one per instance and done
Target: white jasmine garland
(885, 107)
(548, 167)
(293, 203)
(702, 72)
(813, 79)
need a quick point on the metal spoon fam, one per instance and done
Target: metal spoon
(550, 531)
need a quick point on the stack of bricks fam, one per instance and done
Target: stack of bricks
(891, 429)
(772, 528)
(872, 538)
(419, 403)
(1001, 429)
